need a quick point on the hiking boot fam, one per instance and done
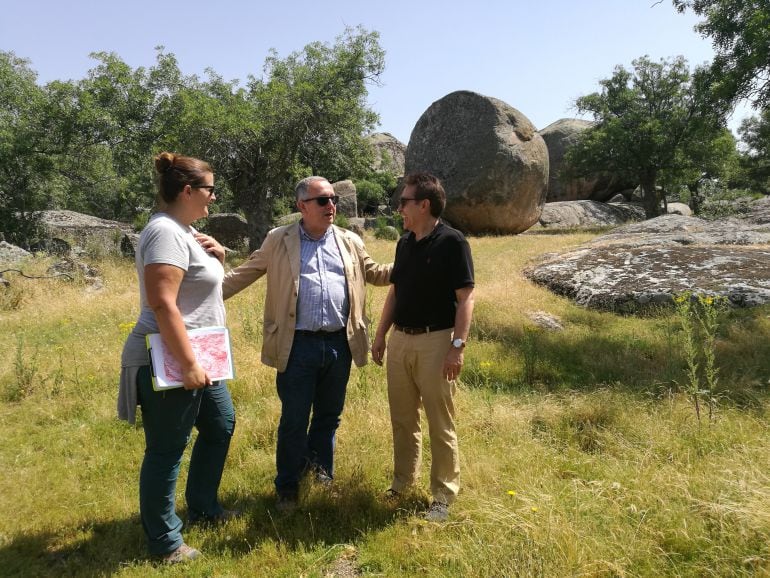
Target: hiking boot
(437, 512)
(182, 554)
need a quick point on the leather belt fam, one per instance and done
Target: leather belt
(419, 330)
(319, 333)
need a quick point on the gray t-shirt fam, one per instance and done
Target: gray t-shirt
(167, 241)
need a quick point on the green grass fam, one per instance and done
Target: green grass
(580, 452)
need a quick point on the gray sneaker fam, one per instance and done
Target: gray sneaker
(437, 512)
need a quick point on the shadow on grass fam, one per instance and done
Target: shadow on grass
(103, 548)
(320, 519)
(84, 550)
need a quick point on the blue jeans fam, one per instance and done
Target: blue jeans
(168, 418)
(316, 379)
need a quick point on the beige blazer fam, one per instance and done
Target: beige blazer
(279, 259)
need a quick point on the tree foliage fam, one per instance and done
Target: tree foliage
(87, 145)
(306, 115)
(26, 155)
(755, 133)
(655, 124)
(740, 32)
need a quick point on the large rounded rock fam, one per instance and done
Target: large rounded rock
(492, 162)
(558, 137)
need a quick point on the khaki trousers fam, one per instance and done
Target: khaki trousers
(414, 365)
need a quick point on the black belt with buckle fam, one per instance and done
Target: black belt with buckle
(420, 330)
(319, 333)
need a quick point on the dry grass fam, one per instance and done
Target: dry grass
(579, 455)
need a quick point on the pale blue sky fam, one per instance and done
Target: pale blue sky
(537, 55)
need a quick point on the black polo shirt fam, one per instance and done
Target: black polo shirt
(426, 274)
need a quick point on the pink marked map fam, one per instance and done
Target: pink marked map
(210, 351)
(211, 346)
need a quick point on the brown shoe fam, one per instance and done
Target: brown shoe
(182, 554)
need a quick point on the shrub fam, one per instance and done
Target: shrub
(370, 195)
(342, 221)
(140, 220)
(389, 233)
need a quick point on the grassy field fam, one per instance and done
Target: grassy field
(581, 452)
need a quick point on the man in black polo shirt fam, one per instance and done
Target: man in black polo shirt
(429, 305)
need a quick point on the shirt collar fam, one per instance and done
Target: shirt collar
(433, 233)
(306, 237)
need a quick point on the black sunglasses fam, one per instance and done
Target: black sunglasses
(404, 200)
(210, 188)
(323, 201)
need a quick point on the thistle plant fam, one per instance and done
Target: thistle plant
(26, 371)
(699, 318)
(529, 352)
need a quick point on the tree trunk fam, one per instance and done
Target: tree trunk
(251, 197)
(260, 221)
(650, 195)
(694, 198)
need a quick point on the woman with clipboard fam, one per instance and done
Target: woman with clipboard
(180, 279)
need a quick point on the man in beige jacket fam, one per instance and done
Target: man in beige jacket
(314, 325)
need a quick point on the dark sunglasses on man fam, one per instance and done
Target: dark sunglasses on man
(323, 201)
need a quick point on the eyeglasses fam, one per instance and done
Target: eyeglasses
(210, 188)
(323, 201)
(404, 200)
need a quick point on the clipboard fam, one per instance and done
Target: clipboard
(211, 346)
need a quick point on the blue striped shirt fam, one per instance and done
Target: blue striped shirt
(322, 303)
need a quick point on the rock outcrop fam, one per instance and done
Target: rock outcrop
(388, 153)
(588, 214)
(758, 212)
(558, 137)
(68, 231)
(11, 253)
(230, 229)
(648, 263)
(348, 203)
(679, 209)
(72, 268)
(492, 162)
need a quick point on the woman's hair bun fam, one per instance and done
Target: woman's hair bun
(164, 162)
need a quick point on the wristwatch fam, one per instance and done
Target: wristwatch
(458, 343)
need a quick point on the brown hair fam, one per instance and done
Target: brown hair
(427, 186)
(177, 171)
